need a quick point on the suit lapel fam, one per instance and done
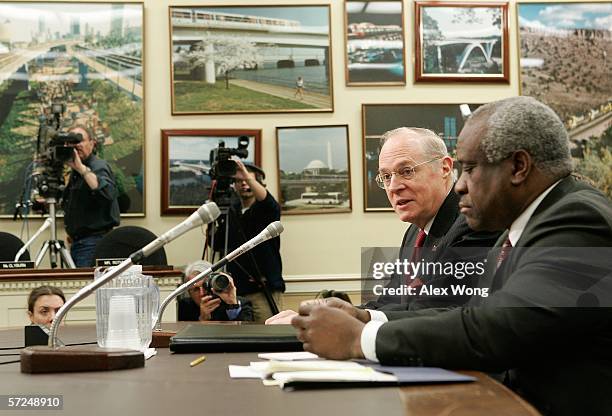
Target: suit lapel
(446, 216)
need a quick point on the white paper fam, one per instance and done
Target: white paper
(242, 371)
(288, 356)
(266, 368)
(149, 352)
(364, 374)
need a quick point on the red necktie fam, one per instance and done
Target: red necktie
(420, 239)
(418, 243)
(503, 253)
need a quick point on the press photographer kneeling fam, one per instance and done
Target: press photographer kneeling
(213, 299)
(90, 201)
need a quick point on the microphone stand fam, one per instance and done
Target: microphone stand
(51, 358)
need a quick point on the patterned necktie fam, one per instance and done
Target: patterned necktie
(504, 252)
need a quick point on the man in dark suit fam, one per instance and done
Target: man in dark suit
(533, 324)
(416, 172)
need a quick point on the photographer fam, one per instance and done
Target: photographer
(261, 267)
(89, 200)
(204, 306)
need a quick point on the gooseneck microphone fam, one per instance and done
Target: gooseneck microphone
(272, 230)
(207, 213)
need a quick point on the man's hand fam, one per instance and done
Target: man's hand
(241, 171)
(76, 163)
(229, 294)
(338, 303)
(281, 318)
(329, 332)
(207, 306)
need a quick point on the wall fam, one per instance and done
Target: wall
(314, 247)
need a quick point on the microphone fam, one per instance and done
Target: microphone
(272, 230)
(207, 213)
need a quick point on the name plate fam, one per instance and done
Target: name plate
(108, 262)
(12, 265)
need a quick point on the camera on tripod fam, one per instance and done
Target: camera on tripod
(221, 164)
(54, 147)
(223, 168)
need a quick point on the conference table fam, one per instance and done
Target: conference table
(168, 385)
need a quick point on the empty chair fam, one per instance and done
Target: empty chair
(123, 241)
(9, 246)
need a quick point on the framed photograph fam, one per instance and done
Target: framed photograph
(63, 64)
(565, 52)
(186, 164)
(314, 169)
(250, 59)
(375, 48)
(443, 119)
(461, 42)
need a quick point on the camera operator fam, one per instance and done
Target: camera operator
(89, 200)
(201, 305)
(262, 265)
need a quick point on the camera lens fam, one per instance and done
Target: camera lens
(219, 282)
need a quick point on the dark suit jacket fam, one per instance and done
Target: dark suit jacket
(448, 230)
(559, 358)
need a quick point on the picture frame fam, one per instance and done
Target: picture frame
(306, 184)
(375, 45)
(444, 119)
(564, 61)
(185, 163)
(461, 42)
(251, 59)
(83, 62)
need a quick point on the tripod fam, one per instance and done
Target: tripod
(55, 247)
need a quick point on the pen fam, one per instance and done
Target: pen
(197, 361)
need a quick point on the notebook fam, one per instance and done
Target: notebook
(235, 338)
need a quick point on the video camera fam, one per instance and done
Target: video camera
(54, 147)
(223, 168)
(221, 164)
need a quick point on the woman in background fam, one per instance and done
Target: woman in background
(43, 304)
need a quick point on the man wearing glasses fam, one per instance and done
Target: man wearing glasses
(416, 172)
(546, 323)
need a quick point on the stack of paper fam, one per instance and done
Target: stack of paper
(312, 373)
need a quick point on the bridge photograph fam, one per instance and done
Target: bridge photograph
(250, 59)
(464, 42)
(85, 59)
(314, 169)
(566, 62)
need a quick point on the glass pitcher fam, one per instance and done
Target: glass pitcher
(126, 309)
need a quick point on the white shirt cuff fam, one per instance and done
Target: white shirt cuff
(368, 340)
(377, 316)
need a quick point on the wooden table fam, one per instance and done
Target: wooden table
(167, 385)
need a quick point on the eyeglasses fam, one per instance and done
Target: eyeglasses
(384, 179)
